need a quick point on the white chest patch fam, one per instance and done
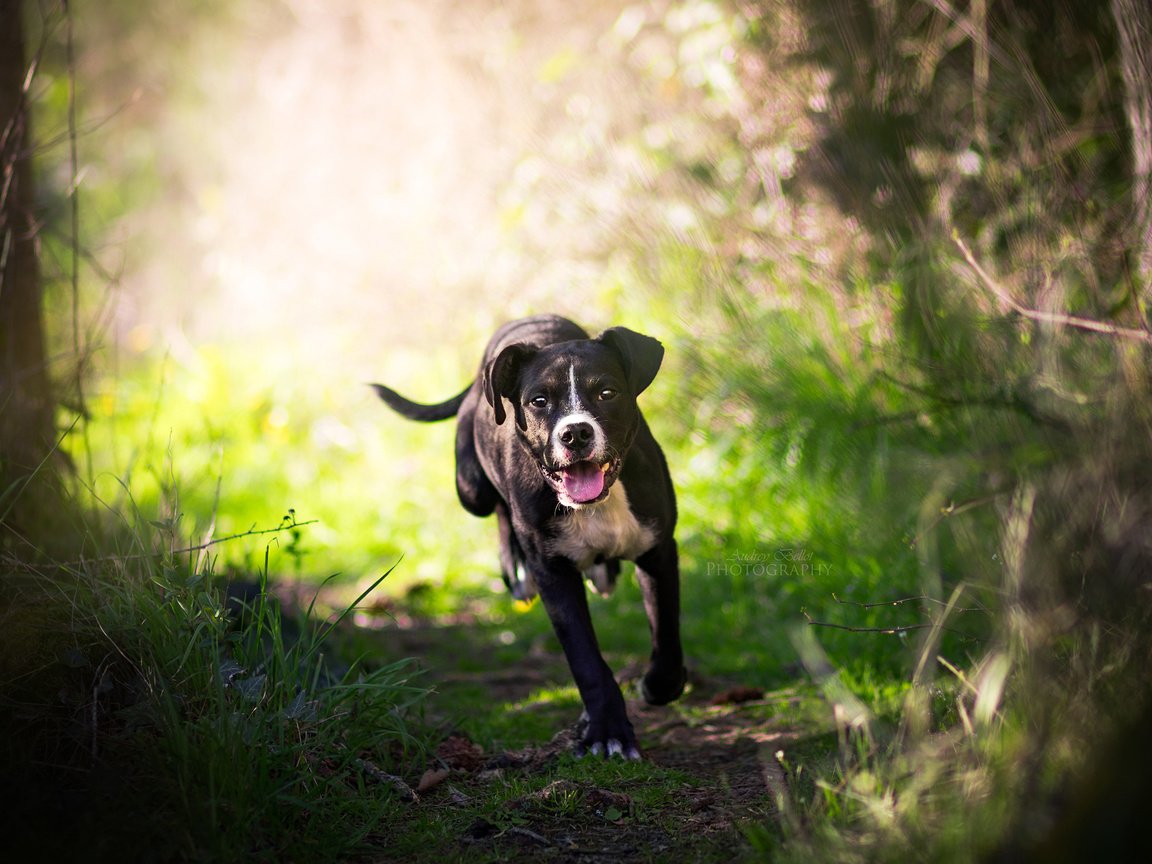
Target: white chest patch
(608, 528)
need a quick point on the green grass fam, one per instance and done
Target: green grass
(773, 529)
(764, 538)
(183, 729)
(918, 523)
(226, 440)
(825, 525)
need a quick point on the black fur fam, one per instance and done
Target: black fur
(528, 370)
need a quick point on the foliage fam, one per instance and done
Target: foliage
(928, 498)
(252, 438)
(187, 724)
(1028, 431)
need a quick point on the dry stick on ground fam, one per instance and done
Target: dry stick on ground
(369, 769)
(1048, 317)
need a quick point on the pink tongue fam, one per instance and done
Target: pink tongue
(583, 481)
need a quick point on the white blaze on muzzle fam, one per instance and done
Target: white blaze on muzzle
(582, 469)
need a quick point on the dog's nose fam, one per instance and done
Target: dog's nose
(576, 436)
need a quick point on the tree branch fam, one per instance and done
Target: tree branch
(1088, 324)
(887, 631)
(920, 599)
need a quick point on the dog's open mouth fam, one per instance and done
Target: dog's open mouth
(583, 482)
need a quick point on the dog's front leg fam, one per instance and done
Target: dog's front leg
(658, 573)
(606, 728)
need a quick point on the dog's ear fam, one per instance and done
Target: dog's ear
(640, 354)
(501, 378)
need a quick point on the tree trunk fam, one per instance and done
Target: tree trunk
(26, 404)
(1134, 30)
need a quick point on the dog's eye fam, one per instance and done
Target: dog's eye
(606, 394)
(538, 401)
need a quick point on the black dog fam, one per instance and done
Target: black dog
(577, 483)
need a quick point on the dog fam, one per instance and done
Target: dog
(549, 438)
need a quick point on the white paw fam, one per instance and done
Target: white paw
(615, 748)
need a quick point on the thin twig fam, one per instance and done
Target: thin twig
(887, 631)
(385, 779)
(137, 556)
(901, 602)
(955, 510)
(531, 835)
(251, 532)
(1088, 324)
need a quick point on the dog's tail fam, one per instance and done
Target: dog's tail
(416, 411)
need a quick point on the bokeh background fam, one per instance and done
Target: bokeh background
(819, 209)
(294, 199)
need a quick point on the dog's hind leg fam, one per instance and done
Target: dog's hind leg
(476, 493)
(517, 576)
(602, 575)
(658, 574)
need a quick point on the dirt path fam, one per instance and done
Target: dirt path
(709, 767)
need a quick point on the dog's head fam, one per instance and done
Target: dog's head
(574, 404)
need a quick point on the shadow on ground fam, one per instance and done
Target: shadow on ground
(503, 785)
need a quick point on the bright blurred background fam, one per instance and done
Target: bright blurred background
(294, 199)
(342, 193)
(283, 200)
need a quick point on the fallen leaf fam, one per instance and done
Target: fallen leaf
(431, 779)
